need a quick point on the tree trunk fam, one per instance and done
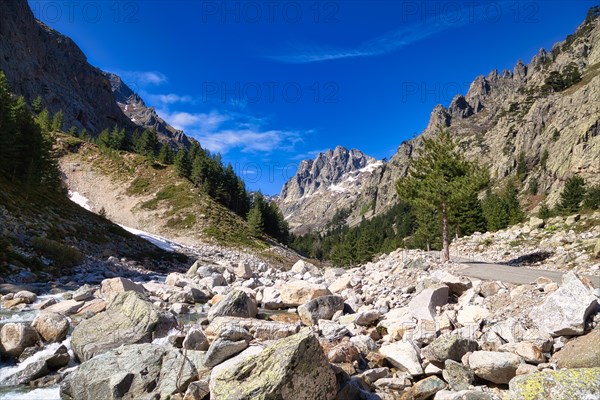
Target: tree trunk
(445, 234)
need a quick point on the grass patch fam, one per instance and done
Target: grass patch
(176, 196)
(182, 222)
(138, 186)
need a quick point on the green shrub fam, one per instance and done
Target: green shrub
(62, 255)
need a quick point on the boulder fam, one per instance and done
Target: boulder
(52, 327)
(67, 307)
(579, 383)
(494, 366)
(472, 315)
(243, 270)
(301, 267)
(403, 355)
(231, 341)
(582, 352)
(85, 292)
(424, 389)
(16, 337)
(449, 347)
(465, 395)
(458, 285)
(129, 319)
(259, 329)
(296, 293)
(27, 296)
(423, 305)
(111, 287)
(139, 371)
(565, 311)
(341, 283)
(320, 308)
(458, 376)
(366, 318)
(529, 352)
(195, 340)
(238, 303)
(536, 223)
(271, 299)
(294, 368)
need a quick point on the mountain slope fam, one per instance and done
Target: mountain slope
(39, 61)
(539, 114)
(331, 182)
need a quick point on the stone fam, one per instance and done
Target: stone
(565, 311)
(367, 318)
(195, 339)
(472, 315)
(294, 368)
(271, 299)
(536, 223)
(296, 293)
(457, 285)
(132, 372)
(571, 219)
(449, 347)
(581, 352)
(320, 308)
(129, 319)
(424, 389)
(494, 366)
(423, 305)
(66, 307)
(238, 303)
(52, 327)
(27, 296)
(301, 267)
(526, 369)
(85, 292)
(529, 352)
(458, 377)
(333, 331)
(198, 390)
(489, 288)
(597, 249)
(243, 270)
(259, 329)
(464, 395)
(222, 349)
(341, 283)
(16, 337)
(403, 355)
(344, 353)
(578, 383)
(111, 287)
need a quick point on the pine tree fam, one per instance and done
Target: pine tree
(103, 139)
(182, 163)
(43, 120)
(255, 221)
(571, 196)
(83, 135)
(57, 121)
(118, 139)
(544, 211)
(442, 178)
(73, 131)
(147, 144)
(38, 105)
(165, 156)
(592, 198)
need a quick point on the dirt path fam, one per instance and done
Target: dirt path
(511, 274)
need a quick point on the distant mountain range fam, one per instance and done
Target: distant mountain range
(543, 117)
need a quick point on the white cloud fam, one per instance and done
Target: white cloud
(167, 99)
(224, 131)
(143, 78)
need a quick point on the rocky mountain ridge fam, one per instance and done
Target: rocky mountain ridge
(39, 61)
(535, 112)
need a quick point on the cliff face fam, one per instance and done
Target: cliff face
(535, 112)
(39, 61)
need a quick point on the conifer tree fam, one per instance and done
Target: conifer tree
(255, 221)
(57, 121)
(38, 105)
(182, 163)
(43, 120)
(572, 195)
(165, 156)
(441, 177)
(592, 198)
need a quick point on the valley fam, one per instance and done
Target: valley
(136, 263)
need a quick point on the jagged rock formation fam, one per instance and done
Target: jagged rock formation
(330, 182)
(39, 61)
(503, 116)
(135, 109)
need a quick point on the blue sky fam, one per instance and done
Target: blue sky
(268, 83)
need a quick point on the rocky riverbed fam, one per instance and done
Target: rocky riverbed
(403, 327)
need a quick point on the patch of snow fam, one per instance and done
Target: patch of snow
(158, 241)
(337, 189)
(371, 167)
(79, 199)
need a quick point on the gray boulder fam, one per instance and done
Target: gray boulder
(52, 327)
(449, 347)
(140, 371)
(582, 383)
(294, 368)
(237, 303)
(423, 305)
(129, 319)
(494, 366)
(16, 337)
(320, 308)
